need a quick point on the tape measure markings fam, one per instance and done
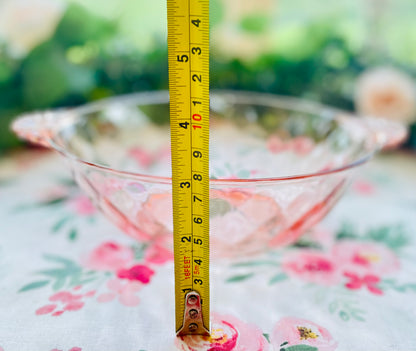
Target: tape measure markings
(188, 42)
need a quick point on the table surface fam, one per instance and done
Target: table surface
(70, 280)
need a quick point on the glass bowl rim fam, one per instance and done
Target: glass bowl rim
(246, 97)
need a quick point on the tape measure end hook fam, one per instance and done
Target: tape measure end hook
(193, 323)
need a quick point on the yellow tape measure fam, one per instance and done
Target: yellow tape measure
(188, 43)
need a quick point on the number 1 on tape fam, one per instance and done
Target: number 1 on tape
(188, 44)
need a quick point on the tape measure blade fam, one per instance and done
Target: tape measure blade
(188, 44)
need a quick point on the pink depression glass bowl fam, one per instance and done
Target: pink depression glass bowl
(277, 165)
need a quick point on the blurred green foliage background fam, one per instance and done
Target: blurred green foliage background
(95, 49)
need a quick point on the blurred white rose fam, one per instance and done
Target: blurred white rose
(26, 23)
(386, 92)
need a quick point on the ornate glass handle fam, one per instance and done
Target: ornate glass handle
(39, 127)
(388, 134)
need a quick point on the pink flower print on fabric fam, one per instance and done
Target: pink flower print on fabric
(227, 333)
(138, 272)
(124, 290)
(45, 309)
(313, 266)
(82, 206)
(67, 302)
(109, 256)
(369, 281)
(295, 331)
(365, 258)
(71, 349)
(364, 187)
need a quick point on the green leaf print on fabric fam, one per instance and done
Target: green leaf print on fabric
(66, 221)
(394, 236)
(393, 285)
(255, 263)
(139, 250)
(305, 244)
(60, 223)
(278, 278)
(239, 278)
(68, 274)
(34, 285)
(300, 348)
(267, 337)
(347, 231)
(347, 310)
(59, 259)
(67, 207)
(73, 234)
(47, 203)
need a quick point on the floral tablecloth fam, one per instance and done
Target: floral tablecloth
(70, 280)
